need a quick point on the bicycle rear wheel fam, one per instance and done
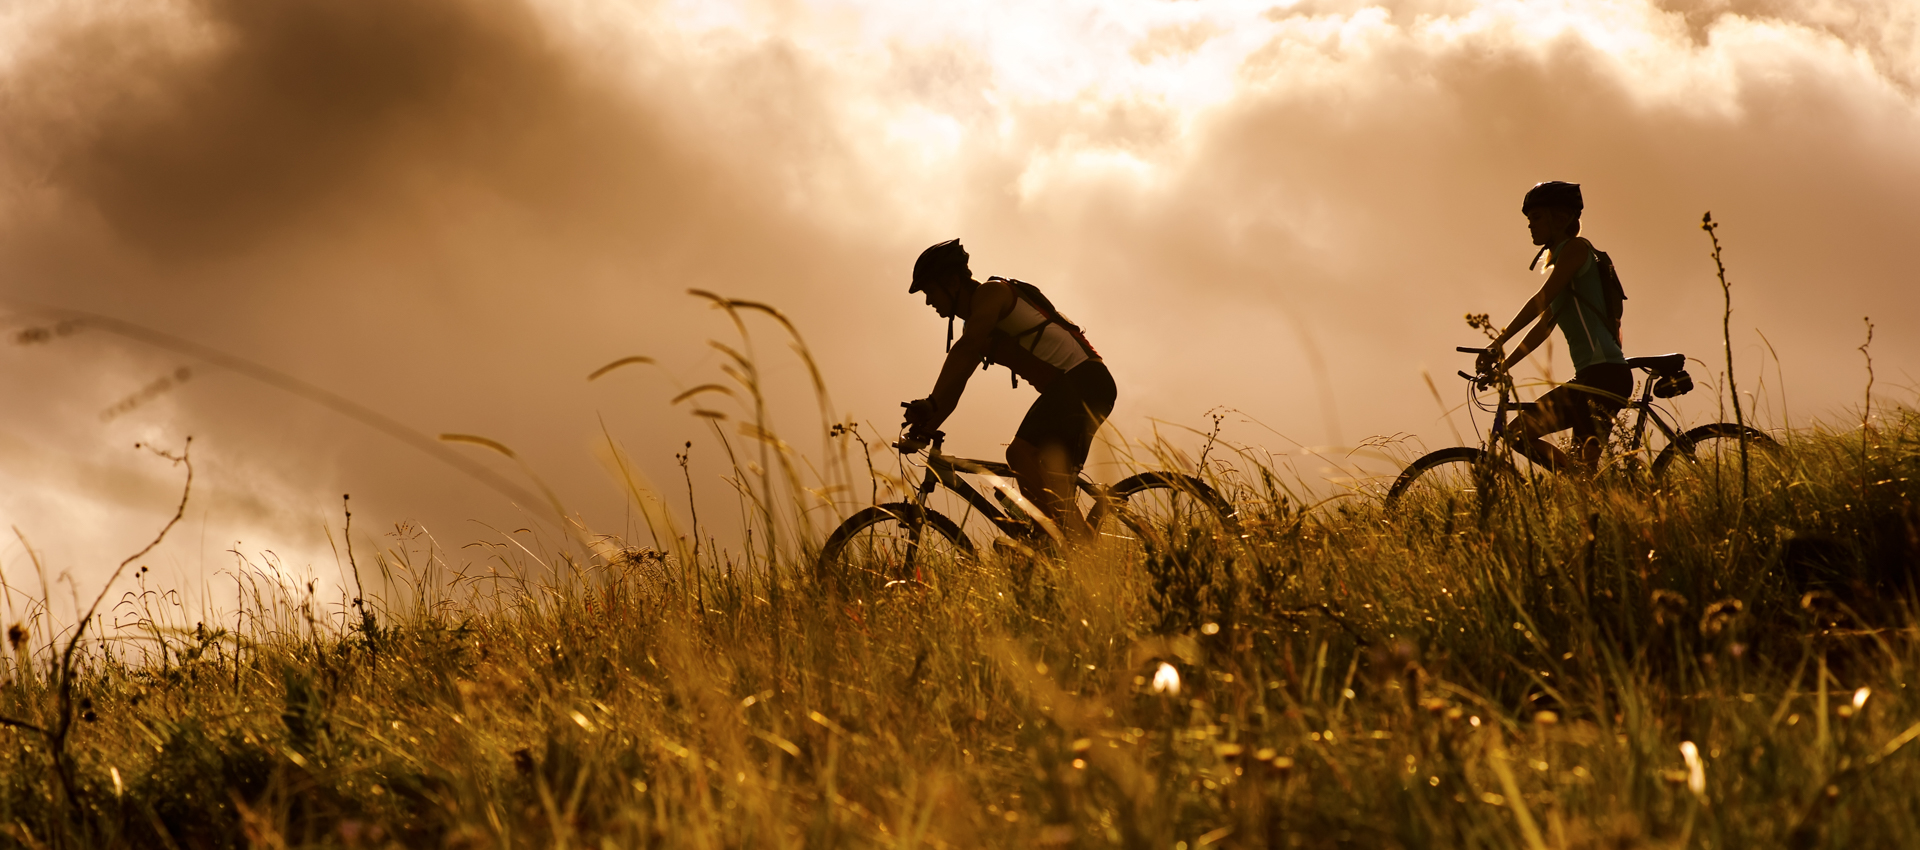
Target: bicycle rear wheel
(1460, 481)
(894, 541)
(1710, 450)
(1154, 508)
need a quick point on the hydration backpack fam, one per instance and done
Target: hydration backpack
(1612, 293)
(1015, 351)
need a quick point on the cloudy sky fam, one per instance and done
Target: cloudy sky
(446, 213)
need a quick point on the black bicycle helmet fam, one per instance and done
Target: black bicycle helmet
(1553, 193)
(937, 262)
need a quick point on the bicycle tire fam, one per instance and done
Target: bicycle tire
(1690, 442)
(904, 514)
(1476, 460)
(1141, 523)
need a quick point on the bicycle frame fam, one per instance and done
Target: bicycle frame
(945, 470)
(1003, 504)
(1645, 408)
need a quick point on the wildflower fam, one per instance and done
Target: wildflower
(1696, 769)
(1166, 680)
(1668, 606)
(1719, 616)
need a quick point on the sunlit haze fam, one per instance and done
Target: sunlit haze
(451, 212)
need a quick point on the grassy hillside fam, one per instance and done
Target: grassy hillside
(1605, 665)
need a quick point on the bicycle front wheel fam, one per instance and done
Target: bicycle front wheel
(1462, 481)
(1712, 449)
(894, 541)
(1154, 508)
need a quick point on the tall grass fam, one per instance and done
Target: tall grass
(1588, 666)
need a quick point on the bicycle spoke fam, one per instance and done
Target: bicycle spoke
(1155, 509)
(1459, 484)
(892, 543)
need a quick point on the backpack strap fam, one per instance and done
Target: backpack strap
(1049, 316)
(1016, 350)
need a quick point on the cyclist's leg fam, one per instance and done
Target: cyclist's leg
(1053, 440)
(1531, 427)
(1047, 478)
(1591, 427)
(1024, 457)
(1612, 384)
(1586, 405)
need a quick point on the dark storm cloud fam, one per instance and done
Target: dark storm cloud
(204, 138)
(448, 212)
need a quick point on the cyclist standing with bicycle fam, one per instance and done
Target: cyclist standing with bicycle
(1011, 323)
(1576, 298)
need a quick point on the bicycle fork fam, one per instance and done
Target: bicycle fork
(917, 525)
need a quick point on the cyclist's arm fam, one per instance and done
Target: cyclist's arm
(991, 302)
(1571, 257)
(1530, 342)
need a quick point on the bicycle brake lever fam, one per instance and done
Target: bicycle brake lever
(915, 441)
(1479, 381)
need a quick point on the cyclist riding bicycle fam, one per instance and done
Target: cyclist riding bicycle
(1011, 323)
(1577, 299)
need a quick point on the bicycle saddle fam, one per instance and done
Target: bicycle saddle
(1659, 364)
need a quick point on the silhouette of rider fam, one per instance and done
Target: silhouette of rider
(1011, 323)
(1572, 299)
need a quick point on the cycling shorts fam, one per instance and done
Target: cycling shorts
(1576, 405)
(1071, 410)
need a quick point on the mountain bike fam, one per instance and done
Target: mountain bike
(1475, 476)
(910, 541)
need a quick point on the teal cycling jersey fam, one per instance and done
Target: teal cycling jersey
(1578, 313)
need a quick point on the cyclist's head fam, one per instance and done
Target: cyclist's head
(941, 272)
(939, 266)
(1553, 193)
(1553, 211)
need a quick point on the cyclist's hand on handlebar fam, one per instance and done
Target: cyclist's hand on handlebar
(921, 413)
(1489, 362)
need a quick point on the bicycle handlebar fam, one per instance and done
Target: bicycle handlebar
(1479, 381)
(914, 441)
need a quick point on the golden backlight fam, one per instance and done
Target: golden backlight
(452, 212)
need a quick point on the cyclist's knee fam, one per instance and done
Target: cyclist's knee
(1054, 457)
(1023, 455)
(1531, 426)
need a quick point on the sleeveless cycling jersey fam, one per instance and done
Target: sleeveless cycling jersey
(1577, 313)
(1053, 344)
